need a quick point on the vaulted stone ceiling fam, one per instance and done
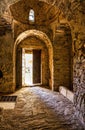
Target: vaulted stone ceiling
(44, 13)
(47, 10)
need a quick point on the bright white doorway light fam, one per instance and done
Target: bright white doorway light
(27, 60)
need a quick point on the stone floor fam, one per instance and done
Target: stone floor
(40, 109)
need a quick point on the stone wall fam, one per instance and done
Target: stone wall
(19, 28)
(79, 76)
(79, 66)
(6, 49)
(73, 12)
(79, 89)
(6, 62)
(62, 45)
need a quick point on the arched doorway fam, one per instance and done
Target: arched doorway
(21, 40)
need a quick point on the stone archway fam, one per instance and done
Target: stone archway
(43, 37)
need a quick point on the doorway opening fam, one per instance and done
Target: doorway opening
(31, 67)
(27, 60)
(42, 44)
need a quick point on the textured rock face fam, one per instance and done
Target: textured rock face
(74, 11)
(6, 65)
(79, 83)
(6, 50)
(79, 80)
(71, 12)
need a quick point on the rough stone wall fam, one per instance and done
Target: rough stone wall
(79, 89)
(18, 28)
(6, 49)
(79, 62)
(6, 62)
(62, 60)
(74, 13)
(79, 75)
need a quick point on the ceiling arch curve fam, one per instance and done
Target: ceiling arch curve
(44, 12)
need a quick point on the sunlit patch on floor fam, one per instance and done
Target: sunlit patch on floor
(8, 102)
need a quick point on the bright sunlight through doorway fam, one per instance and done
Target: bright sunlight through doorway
(27, 59)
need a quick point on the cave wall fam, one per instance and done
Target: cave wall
(79, 73)
(6, 62)
(74, 12)
(6, 49)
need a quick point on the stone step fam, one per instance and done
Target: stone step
(67, 93)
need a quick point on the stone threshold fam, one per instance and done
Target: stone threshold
(7, 105)
(67, 93)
